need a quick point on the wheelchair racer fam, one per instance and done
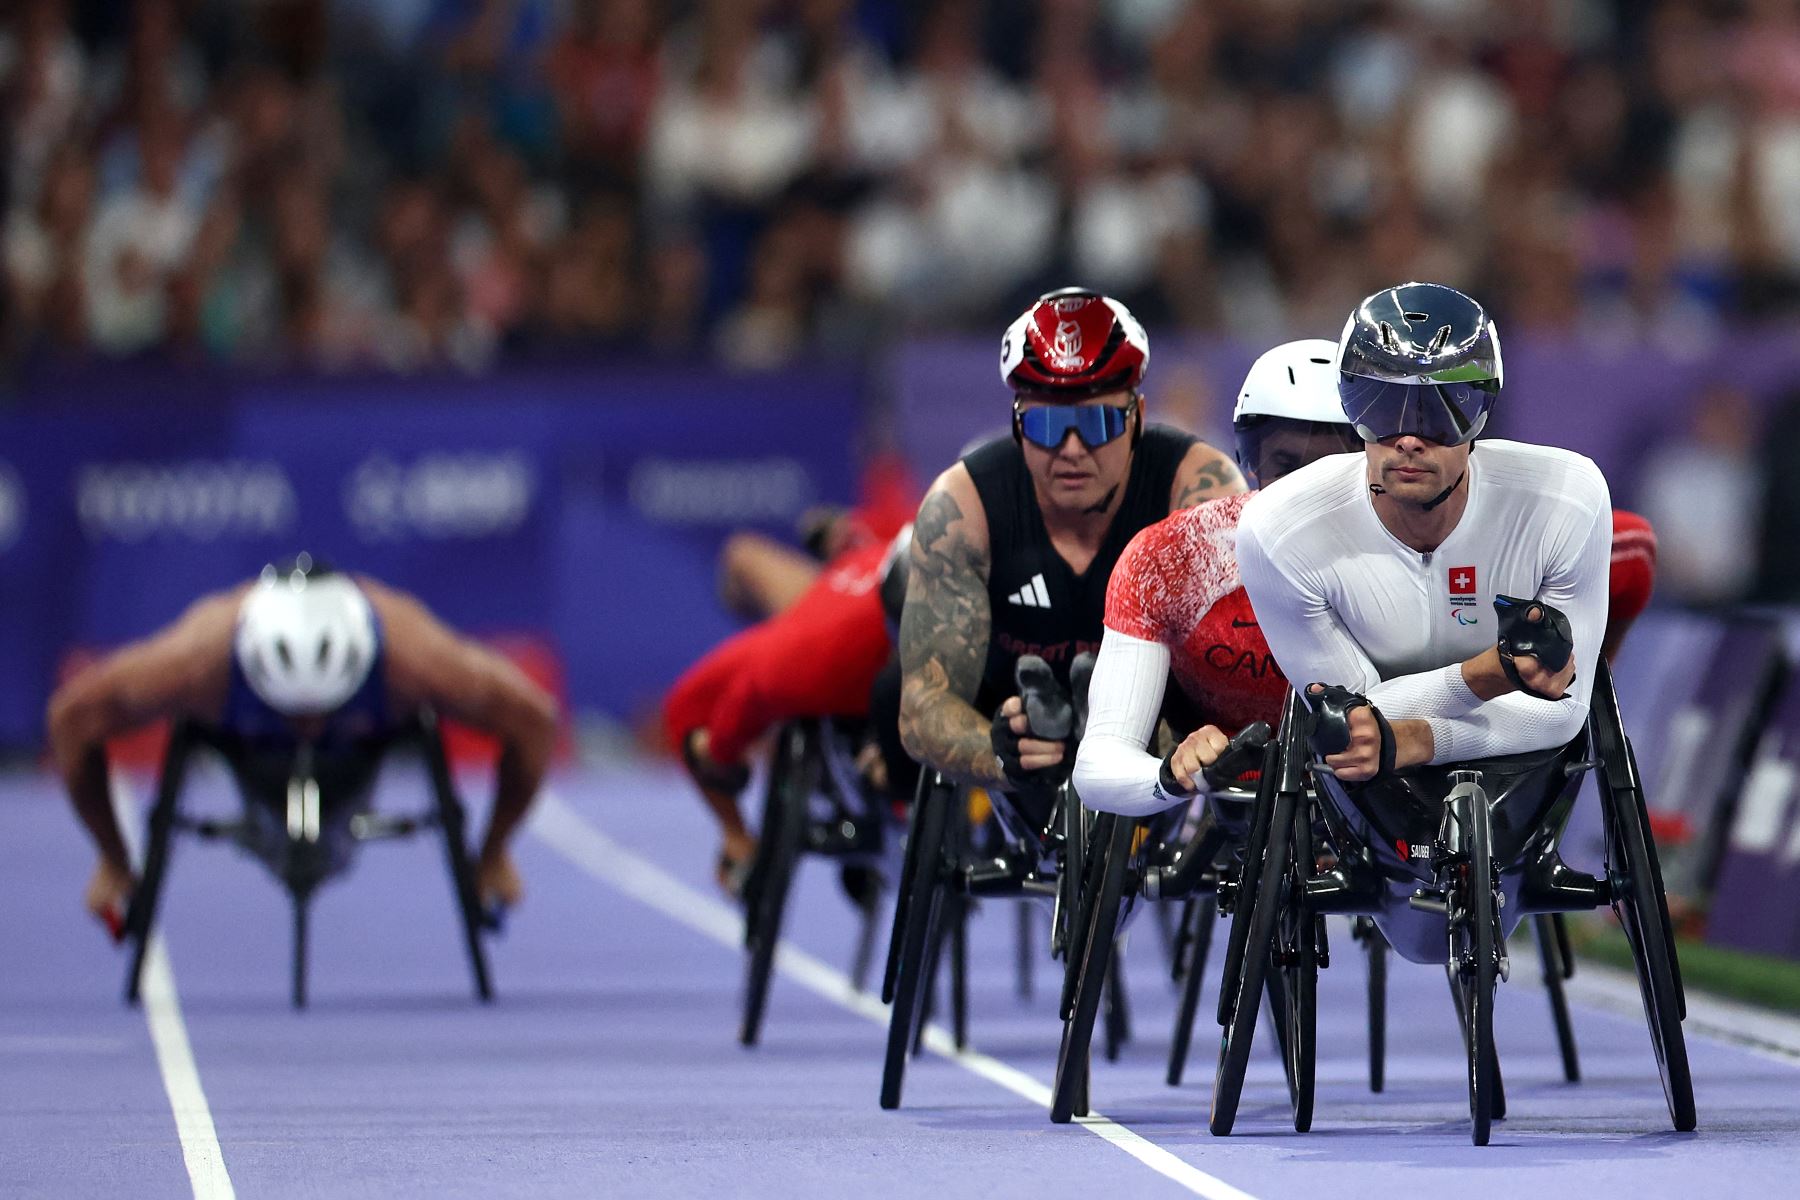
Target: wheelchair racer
(1388, 580)
(1177, 607)
(1013, 545)
(818, 657)
(302, 654)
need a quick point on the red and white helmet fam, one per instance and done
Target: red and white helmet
(1073, 343)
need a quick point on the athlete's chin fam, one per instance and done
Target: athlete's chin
(1075, 492)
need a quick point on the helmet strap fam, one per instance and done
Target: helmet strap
(1443, 495)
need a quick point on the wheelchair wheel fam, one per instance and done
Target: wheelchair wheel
(1364, 930)
(777, 854)
(915, 930)
(1638, 899)
(1093, 966)
(1245, 887)
(1116, 1014)
(1642, 913)
(1297, 947)
(1474, 947)
(909, 854)
(1549, 946)
(1253, 931)
(1197, 931)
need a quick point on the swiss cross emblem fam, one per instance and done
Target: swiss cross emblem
(1462, 581)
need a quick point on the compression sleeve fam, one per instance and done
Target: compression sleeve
(1306, 635)
(1114, 772)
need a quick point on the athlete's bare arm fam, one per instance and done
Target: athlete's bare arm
(1205, 472)
(944, 631)
(181, 671)
(429, 664)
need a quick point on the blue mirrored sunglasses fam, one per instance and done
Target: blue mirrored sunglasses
(1095, 424)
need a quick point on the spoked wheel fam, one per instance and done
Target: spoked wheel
(1364, 930)
(1474, 946)
(1090, 968)
(1200, 915)
(915, 921)
(1556, 969)
(772, 873)
(1253, 932)
(1297, 940)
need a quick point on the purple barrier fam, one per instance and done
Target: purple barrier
(1757, 903)
(586, 507)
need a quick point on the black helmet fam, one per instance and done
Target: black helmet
(1419, 358)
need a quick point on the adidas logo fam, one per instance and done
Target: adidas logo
(1032, 595)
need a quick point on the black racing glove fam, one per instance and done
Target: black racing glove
(1331, 707)
(1549, 639)
(1050, 717)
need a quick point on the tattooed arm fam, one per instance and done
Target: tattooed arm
(944, 634)
(1204, 472)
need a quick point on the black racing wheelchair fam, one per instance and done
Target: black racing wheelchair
(1164, 859)
(950, 862)
(1446, 861)
(304, 812)
(815, 801)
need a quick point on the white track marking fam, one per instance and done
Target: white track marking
(576, 839)
(1758, 1031)
(168, 1033)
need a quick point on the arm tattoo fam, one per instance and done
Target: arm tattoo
(943, 645)
(1216, 477)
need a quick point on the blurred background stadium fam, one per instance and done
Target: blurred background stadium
(525, 305)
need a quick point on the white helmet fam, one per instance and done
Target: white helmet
(1294, 382)
(305, 638)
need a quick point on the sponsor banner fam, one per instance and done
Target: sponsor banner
(1756, 906)
(584, 509)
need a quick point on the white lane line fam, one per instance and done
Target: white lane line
(168, 1033)
(572, 836)
(1769, 1035)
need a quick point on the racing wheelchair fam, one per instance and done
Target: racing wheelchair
(950, 861)
(1163, 861)
(815, 801)
(304, 813)
(1446, 861)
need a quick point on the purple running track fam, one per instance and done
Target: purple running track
(608, 1064)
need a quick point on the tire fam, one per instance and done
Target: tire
(1298, 937)
(778, 854)
(903, 894)
(913, 935)
(1543, 932)
(1474, 945)
(1112, 840)
(1199, 941)
(1248, 882)
(1377, 949)
(1256, 916)
(1643, 914)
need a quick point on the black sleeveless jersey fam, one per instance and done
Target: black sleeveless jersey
(1038, 604)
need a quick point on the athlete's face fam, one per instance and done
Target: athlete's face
(1075, 478)
(1412, 470)
(1291, 445)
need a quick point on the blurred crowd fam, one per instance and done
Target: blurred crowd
(404, 184)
